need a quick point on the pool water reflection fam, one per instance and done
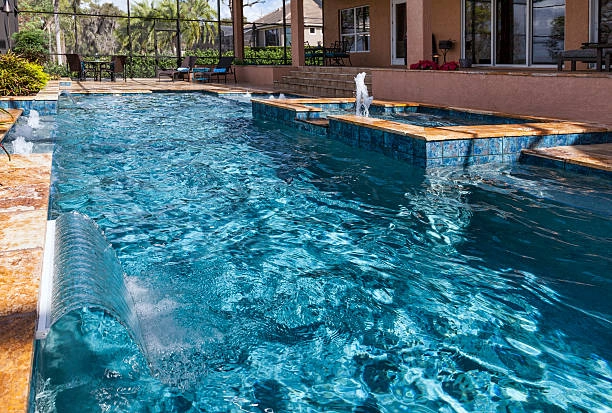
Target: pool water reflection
(276, 271)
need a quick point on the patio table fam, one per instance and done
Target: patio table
(600, 47)
(96, 66)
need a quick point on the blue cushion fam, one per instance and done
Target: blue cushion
(219, 70)
(183, 69)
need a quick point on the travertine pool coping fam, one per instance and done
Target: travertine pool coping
(24, 200)
(537, 126)
(489, 141)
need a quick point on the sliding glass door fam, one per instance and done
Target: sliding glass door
(513, 32)
(605, 21)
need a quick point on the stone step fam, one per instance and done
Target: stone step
(324, 81)
(332, 69)
(340, 84)
(313, 91)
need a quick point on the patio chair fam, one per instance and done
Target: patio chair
(116, 66)
(76, 65)
(337, 52)
(223, 68)
(184, 71)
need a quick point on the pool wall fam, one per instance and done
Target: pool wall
(430, 146)
(44, 102)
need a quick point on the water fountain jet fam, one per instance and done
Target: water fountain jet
(362, 99)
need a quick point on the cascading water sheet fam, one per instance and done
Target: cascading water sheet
(87, 274)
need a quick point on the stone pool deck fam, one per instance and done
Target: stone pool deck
(24, 197)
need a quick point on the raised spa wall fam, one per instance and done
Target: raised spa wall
(428, 147)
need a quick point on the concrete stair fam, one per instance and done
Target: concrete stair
(322, 81)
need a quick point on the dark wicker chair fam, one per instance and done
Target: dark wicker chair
(76, 65)
(116, 66)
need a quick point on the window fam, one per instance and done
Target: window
(272, 37)
(313, 30)
(355, 28)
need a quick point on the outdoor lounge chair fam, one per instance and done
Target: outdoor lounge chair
(223, 68)
(116, 66)
(184, 71)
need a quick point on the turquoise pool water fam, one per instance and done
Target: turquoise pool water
(278, 272)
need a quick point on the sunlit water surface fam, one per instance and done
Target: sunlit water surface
(279, 272)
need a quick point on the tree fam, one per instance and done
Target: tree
(196, 26)
(31, 45)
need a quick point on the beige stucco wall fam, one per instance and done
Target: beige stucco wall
(446, 25)
(380, 15)
(576, 23)
(261, 75)
(563, 95)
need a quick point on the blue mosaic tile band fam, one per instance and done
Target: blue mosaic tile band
(43, 107)
(425, 154)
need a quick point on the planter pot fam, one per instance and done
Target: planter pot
(467, 62)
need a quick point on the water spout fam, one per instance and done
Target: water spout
(362, 100)
(34, 119)
(22, 147)
(68, 95)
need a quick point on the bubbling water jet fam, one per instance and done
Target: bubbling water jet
(362, 99)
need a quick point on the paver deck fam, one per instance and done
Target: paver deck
(24, 197)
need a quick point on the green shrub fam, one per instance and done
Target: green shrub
(19, 77)
(270, 55)
(31, 45)
(56, 71)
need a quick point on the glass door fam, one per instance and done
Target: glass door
(548, 23)
(513, 32)
(605, 21)
(478, 20)
(398, 32)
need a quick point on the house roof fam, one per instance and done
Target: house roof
(313, 14)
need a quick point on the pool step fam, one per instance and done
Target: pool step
(589, 159)
(322, 81)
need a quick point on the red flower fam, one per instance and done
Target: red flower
(450, 66)
(431, 65)
(424, 65)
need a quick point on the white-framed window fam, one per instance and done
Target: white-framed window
(355, 28)
(272, 37)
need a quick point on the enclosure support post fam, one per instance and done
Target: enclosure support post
(297, 33)
(238, 28)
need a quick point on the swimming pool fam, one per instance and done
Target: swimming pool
(276, 271)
